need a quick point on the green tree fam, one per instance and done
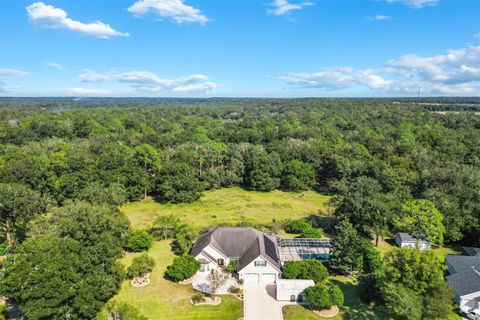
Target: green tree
(346, 252)
(421, 219)
(298, 176)
(140, 266)
(149, 159)
(18, 205)
(165, 227)
(404, 303)
(183, 240)
(139, 240)
(263, 170)
(182, 268)
(52, 268)
(178, 183)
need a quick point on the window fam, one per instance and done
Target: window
(260, 263)
(220, 262)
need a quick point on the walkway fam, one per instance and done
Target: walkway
(260, 303)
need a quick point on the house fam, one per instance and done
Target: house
(464, 278)
(255, 252)
(405, 240)
(292, 289)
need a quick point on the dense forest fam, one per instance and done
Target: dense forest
(380, 159)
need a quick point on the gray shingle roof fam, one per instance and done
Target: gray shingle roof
(244, 244)
(465, 274)
(406, 237)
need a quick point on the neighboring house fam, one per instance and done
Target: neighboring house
(464, 278)
(405, 240)
(255, 252)
(292, 289)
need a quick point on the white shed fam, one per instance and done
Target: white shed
(292, 289)
(405, 240)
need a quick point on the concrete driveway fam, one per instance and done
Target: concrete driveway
(260, 304)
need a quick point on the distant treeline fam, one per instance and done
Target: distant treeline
(373, 155)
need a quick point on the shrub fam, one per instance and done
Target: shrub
(139, 240)
(312, 233)
(234, 289)
(318, 297)
(140, 266)
(307, 269)
(182, 268)
(241, 281)
(336, 295)
(183, 240)
(198, 298)
(297, 226)
(232, 266)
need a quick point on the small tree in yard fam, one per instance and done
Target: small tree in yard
(318, 297)
(232, 266)
(139, 240)
(182, 268)
(216, 280)
(140, 266)
(164, 227)
(322, 297)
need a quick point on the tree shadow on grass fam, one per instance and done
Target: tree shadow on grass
(354, 308)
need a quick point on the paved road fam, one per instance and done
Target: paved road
(260, 303)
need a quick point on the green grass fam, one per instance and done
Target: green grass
(231, 206)
(163, 299)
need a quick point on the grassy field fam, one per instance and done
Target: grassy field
(163, 299)
(230, 206)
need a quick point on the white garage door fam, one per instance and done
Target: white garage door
(268, 277)
(251, 277)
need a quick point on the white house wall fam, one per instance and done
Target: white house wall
(288, 288)
(210, 266)
(266, 274)
(214, 253)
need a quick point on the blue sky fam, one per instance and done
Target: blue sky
(271, 48)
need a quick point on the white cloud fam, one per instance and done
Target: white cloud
(455, 72)
(281, 7)
(89, 75)
(55, 65)
(175, 10)
(51, 17)
(338, 78)
(379, 17)
(87, 92)
(417, 4)
(12, 73)
(144, 81)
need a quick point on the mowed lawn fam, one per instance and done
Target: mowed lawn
(230, 206)
(163, 299)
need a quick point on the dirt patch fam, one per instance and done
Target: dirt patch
(329, 313)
